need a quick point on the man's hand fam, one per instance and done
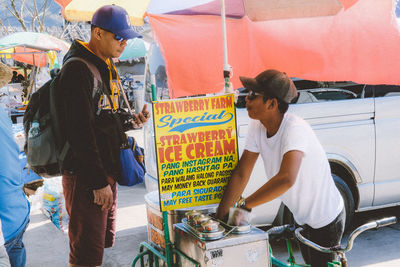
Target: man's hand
(222, 213)
(103, 197)
(239, 216)
(140, 118)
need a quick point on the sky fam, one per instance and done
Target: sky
(53, 17)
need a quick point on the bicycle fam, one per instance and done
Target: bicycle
(287, 231)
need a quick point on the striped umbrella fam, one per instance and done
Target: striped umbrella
(358, 44)
(31, 47)
(35, 40)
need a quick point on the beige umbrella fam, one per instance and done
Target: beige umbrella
(82, 10)
(5, 74)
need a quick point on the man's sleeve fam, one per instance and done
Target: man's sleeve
(252, 137)
(76, 84)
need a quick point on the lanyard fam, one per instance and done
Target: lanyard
(111, 101)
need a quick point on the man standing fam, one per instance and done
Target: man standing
(294, 161)
(14, 206)
(93, 130)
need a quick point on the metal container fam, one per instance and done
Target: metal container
(249, 249)
(239, 229)
(210, 226)
(197, 231)
(199, 219)
(191, 214)
(155, 229)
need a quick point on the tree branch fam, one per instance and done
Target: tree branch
(16, 14)
(44, 13)
(4, 27)
(35, 15)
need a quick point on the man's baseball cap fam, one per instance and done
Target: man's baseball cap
(271, 83)
(114, 19)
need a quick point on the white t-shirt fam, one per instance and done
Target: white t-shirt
(314, 198)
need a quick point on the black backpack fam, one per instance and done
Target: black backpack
(44, 147)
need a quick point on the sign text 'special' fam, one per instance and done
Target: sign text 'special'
(183, 124)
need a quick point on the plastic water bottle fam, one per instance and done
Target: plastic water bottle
(34, 130)
(138, 97)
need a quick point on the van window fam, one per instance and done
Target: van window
(384, 90)
(328, 91)
(313, 91)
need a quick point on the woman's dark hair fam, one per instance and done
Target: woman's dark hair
(282, 105)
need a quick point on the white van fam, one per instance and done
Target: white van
(357, 124)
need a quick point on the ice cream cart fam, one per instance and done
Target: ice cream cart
(196, 149)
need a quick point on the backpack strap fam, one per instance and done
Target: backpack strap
(97, 81)
(97, 84)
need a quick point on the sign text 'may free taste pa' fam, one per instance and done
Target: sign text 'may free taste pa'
(196, 147)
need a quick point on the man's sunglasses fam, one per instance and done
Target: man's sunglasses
(118, 38)
(252, 95)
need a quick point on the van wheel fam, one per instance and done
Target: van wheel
(347, 198)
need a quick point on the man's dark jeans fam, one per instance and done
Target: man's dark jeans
(327, 236)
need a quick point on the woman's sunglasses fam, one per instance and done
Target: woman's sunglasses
(252, 95)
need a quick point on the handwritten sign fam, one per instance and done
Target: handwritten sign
(196, 148)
